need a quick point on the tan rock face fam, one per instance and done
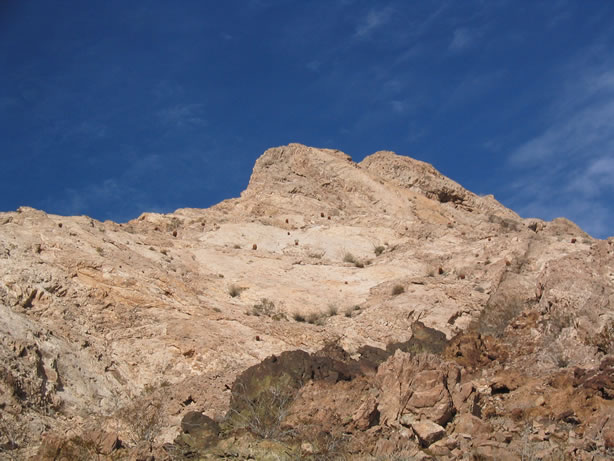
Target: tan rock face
(125, 328)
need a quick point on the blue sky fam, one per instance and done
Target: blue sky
(114, 108)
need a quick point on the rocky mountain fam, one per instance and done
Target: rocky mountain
(336, 310)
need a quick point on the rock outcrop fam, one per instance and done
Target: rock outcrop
(379, 307)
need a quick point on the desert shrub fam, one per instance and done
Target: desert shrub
(174, 224)
(497, 315)
(332, 310)
(75, 449)
(315, 319)
(298, 317)
(7, 436)
(505, 224)
(397, 290)
(316, 254)
(267, 308)
(100, 251)
(378, 250)
(262, 414)
(350, 258)
(604, 340)
(554, 352)
(234, 290)
(264, 307)
(144, 420)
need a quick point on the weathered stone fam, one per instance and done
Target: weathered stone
(133, 324)
(468, 424)
(415, 385)
(427, 431)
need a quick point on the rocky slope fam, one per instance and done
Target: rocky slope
(336, 310)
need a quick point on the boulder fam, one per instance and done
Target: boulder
(416, 385)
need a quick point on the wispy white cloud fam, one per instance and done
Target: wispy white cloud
(473, 87)
(373, 20)
(183, 115)
(596, 178)
(576, 134)
(398, 106)
(90, 128)
(314, 65)
(462, 39)
(567, 169)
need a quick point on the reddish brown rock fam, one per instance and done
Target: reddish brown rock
(416, 385)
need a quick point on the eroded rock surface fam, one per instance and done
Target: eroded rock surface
(396, 302)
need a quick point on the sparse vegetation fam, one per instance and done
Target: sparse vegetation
(264, 307)
(173, 225)
(378, 250)
(332, 310)
(298, 317)
(604, 340)
(315, 319)
(495, 318)
(267, 308)
(350, 258)
(264, 413)
(316, 254)
(100, 251)
(8, 434)
(398, 289)
(144, 421)
(235, 291)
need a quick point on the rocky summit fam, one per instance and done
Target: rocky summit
(336, 310)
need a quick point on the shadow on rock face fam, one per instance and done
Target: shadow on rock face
(265, 397)
(423, 340)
